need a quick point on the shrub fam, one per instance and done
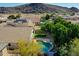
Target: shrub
(14, 17)
(18, 16)
(40, 35)
(74, 47)
(11, 17)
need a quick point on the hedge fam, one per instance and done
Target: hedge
(40, 35)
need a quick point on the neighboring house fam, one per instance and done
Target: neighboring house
(67, 17)
(76, 13)
(12, 35)
(20, 22)
(36, 21)
(71, 17)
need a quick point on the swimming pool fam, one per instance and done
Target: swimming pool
(46, 46)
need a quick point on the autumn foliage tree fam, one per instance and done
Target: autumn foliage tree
(29, 48)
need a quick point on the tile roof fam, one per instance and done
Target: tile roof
(13, 34)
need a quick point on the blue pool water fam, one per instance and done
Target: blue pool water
(46, 46)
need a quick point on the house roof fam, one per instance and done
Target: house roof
(21, 20)
(13, 34)
(34, 18)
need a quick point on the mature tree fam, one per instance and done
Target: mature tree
(29, 48)
(47, 17)
(62, 33)
(71, 49)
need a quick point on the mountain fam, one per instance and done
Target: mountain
(37, 8)
(74, 9)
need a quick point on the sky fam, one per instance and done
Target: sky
(67, 4)
(59, 4)
(9, 4)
